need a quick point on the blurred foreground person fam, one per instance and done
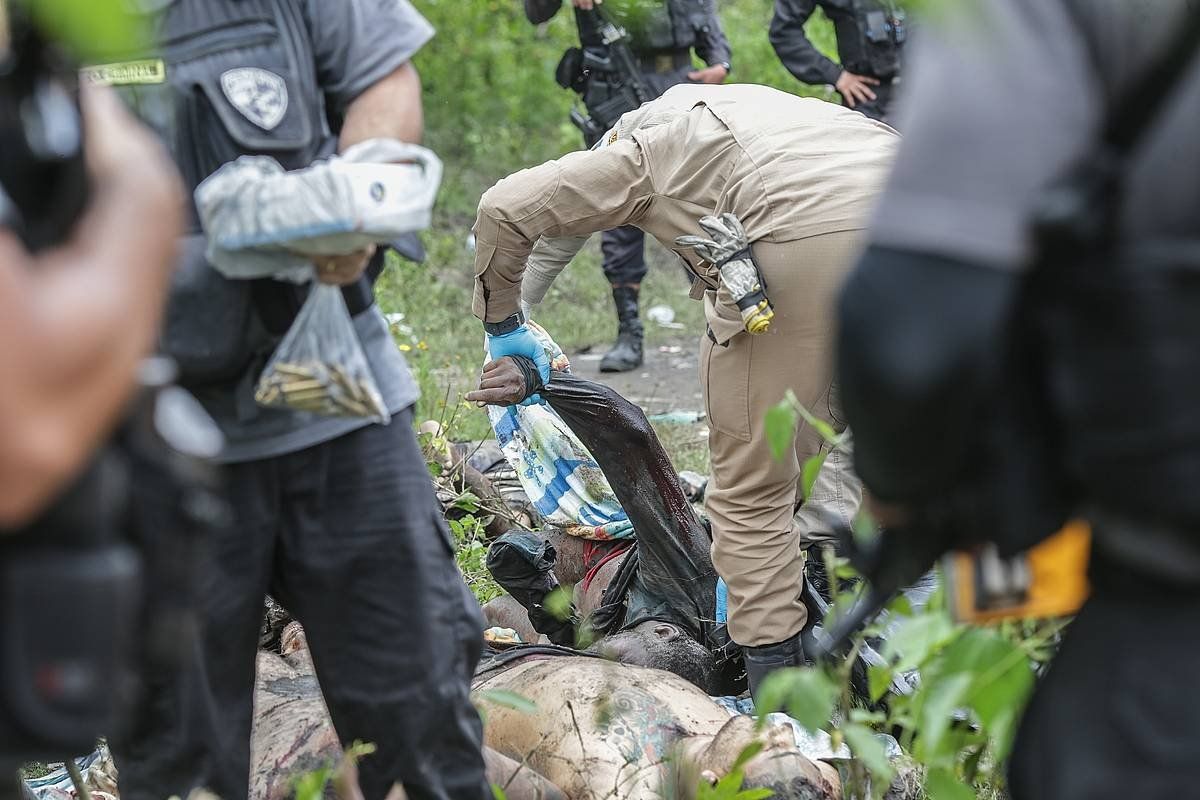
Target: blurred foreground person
(795, 178)
(76, 319)
(335, 516)
(1021, 343)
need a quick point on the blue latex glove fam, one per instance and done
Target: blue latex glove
(522, 342)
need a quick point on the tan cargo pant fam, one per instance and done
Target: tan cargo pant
(752, 497)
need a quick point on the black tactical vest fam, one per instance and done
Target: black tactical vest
(227, 78)
(662, 25)
(870, 34)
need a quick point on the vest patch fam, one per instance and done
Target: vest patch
(126, 73)
(259, 95)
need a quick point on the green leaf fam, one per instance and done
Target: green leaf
(558, 604)
(879, 680)
(916, 638)
(92, 29)
(901, 606)
(866, 747)
(812, 697)
(508, 699)
(311, 785)
(942, 784)
(467, 501)
(774, 692)
(819, 425)
(809, 472)
(940, 700)
(780, 428)
(1003, 680)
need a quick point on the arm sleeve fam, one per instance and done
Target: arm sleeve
(548, 259)
(579, 194)
(920, 338)
(539, 11)
(358, 42)
(791, 43)
(711, 43)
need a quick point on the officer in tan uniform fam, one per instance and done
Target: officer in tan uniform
(801, 175)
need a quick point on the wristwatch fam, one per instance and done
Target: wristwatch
(506, 325)
(728, 67)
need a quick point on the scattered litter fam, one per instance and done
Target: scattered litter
(677, 417)
(663, 316)
(501, 636)
(587, 357)
(670, 349)
(817, 745)
(98, 772)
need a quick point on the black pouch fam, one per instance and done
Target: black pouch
(67, 615)
(1122, 339)
(881, 48)
(569, 72)
(206, 326)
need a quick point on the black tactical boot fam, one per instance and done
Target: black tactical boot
(627, 353)
(761, 661)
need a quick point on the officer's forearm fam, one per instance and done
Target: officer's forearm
(791, 44)
(74, 324)
(391, 108)
(712, 45)
(920, 339)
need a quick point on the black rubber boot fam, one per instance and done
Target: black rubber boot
(627, 353)
(761, 661)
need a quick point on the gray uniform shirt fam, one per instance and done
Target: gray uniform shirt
(356, 43)
(1003, 96)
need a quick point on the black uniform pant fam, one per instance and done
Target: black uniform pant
(624, 252)
(1116, 715)
(348, 536)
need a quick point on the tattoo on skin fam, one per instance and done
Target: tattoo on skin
(638, 726)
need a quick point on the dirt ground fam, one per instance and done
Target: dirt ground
(668, 381)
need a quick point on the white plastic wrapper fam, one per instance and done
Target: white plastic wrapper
(320, 366)
(262, 221)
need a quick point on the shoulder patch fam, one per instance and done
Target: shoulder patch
(259, 95)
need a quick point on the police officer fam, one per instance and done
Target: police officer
(929, 313)
(663, 37)
(800, 174)
(870, 41)
(335, 517)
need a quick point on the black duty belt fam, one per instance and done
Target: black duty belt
(664, 62)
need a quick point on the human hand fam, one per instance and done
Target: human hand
(522, 342)
(120, 151)
(855, 88)
(714, 74)
(502, 383)
(887, 515)
(586, 5)
(344, 269)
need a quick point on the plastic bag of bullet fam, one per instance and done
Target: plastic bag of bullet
(320, 367)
